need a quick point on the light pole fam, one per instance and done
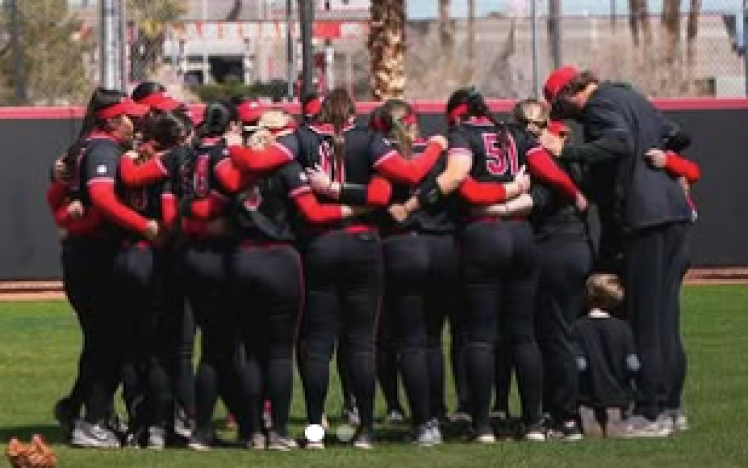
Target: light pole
(535, 53)
(17, 57)
(290, 66)
(306, 18)
(745, 43)
(205, 64)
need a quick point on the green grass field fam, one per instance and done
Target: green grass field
(39, 342)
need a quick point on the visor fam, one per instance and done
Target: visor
(125, 106)
(250, 112)
(161, 101)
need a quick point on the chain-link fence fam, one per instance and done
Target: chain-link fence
(50, 51)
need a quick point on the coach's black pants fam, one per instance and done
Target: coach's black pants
(499, 263)
(343, 271)
(655, 260)
(268, 291)
(564, 267)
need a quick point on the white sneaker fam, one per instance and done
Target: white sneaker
(280, 443)
(436, 432)
(423, 436)
(485, 436)
(315, 445)
(394, 417)
(640, 427)
(90, 435)
(536, 432)
(678, 419)
(156, 438)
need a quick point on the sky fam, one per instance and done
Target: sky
(428, 8)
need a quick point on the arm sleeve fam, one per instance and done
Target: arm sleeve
(300, 192)
(208, 207)
(101, 165)
(392, 165)
(376, 193)
(263, 160)
(169, 207)
(681, 167)
(230, 177)
(315, 212)
(105, 200)
(482, 193)
(541, 165)
(139, 175)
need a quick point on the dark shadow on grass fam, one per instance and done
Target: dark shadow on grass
(50, 432)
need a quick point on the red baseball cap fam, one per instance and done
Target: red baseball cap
(558, 127)
(125, 106)
(313, 106)
(250, 111)
(558, 80)
(161, 101)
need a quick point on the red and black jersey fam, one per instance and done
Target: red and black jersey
(97, 184)
(364, 151)
(497, 152)
(553, 215)
(430, 219)
(198, 184)
(265, 210)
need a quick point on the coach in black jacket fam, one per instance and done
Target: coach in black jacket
(643, 211)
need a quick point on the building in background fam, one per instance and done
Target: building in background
(245, 41)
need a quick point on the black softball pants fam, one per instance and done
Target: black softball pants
(499, 264)
(220, 370)
(564, 267)
(146, 385)
(268, 294)
(420, 287)
(86, 268)
(343, 271)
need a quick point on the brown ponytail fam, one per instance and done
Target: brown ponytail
(337, 110)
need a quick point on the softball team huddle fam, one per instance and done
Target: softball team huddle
(281, 244)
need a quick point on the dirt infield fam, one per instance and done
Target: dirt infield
(51, 290)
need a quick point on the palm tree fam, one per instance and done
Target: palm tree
(639, 22)
(236, 10)
(471, 34)
(446, 30)
(671, 25)
(692, 30)
(152, 18)
(387, 49)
